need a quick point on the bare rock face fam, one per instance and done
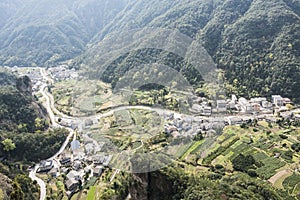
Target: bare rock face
(138, 188)
(5, 186)
(152, 185)
(24, 85)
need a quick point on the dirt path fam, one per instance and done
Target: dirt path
(278, 178)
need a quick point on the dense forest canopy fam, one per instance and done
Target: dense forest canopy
(255, 42)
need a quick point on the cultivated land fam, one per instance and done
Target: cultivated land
(197, 143)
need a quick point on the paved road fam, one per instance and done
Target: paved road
(40, 182)
(50, 96)
(51, 110)
(63, 147)
(161, 111)
(49, 104)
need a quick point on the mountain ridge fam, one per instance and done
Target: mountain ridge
(255, 42)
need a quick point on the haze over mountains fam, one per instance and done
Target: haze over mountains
(256, 42)
(45, 32)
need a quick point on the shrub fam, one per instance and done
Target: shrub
(252, 173)
(283, 136)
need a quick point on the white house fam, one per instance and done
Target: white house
(277, 100)
(221, 105)
(245, 105)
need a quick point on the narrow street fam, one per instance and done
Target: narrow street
(54, 113)
(48, 103)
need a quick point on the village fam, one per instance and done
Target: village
(83, 159)
(81, 162)
(277, 103)
(76, 165)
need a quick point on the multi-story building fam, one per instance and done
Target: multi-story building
(277, 100)
(245, 105)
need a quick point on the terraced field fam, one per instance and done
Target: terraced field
(270, 146)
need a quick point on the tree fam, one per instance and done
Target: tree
(17, 193)
(252, 173)
(8, 144)
(22, 128)
(198, 137)
(296, 147)
(39, 124)
(243, 163)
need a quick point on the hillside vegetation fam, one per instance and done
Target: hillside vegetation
(18, 110)
(46, 32)
(175, 183)
(24, 138)
(255, 42)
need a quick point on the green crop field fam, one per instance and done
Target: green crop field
(292, 184)
(195, 146)
(91, 193)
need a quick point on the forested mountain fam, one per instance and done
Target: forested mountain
(8, 8)
(19, 110)
(46, 32)
(256, 42)
(24, 121)
(23, 136)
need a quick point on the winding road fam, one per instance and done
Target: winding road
(49, 104)
(40, 182)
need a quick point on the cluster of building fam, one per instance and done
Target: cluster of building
(254, 105)
(76, 166)
(186, 126)
(33, 73)
(201, 105)
(63, 72)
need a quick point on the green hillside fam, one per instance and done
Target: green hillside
(256, 42)
(23, 137)
(46, 32)
(18, 110)
(8, 9)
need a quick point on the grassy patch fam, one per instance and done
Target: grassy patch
(292, 184)
(91, 193)
(221, 159)
(193, 147)
(270, 165)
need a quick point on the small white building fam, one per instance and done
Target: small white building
(267, 104)
(221, 105)
(277, 100)
(98, 171)
(258, 100)
(245, 105)
(234, 98)
(287, 101)
(207, 110)
(197, 108)
(45, 165)
(71, 185)
(74, 175)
